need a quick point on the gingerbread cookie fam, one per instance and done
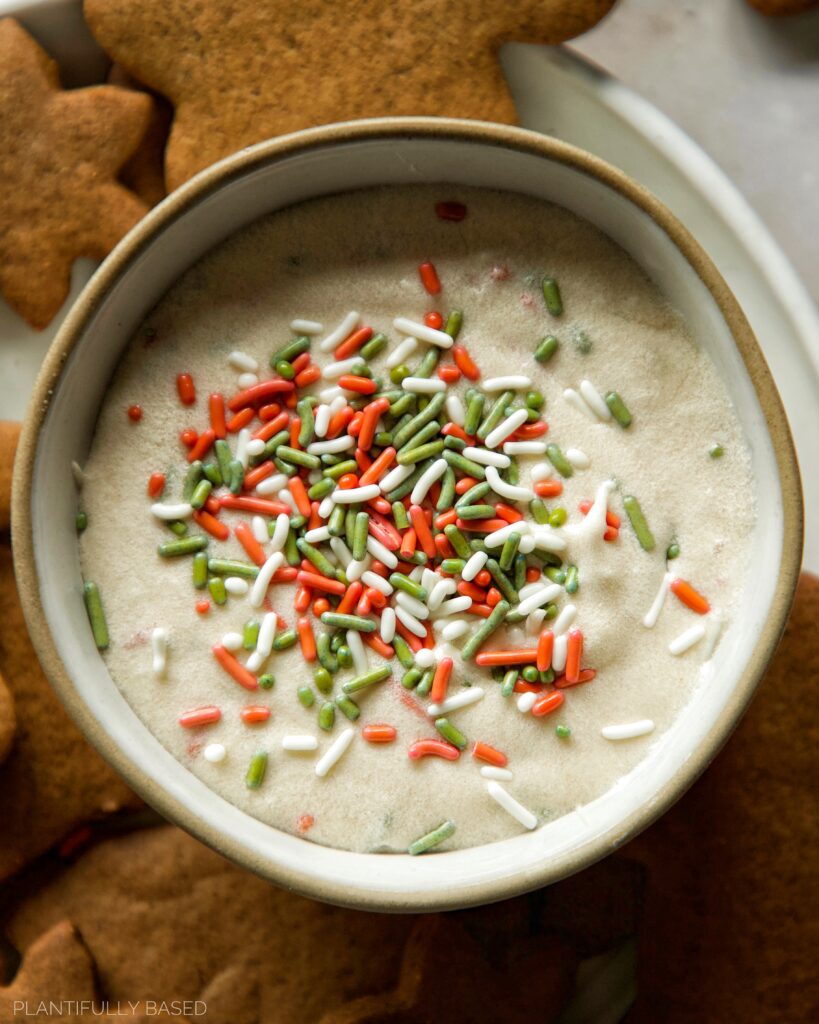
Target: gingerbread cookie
(52, 780)
(731, 924)
(9, 435)
(144, 172)
(59, 156)
(242, 72)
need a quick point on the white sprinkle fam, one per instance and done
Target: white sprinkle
(322, 420)
(306, 327)
(428, 578)
(358, 651)
(400, 352)
(326, 506)
(333, 393)
(507, 427)
(242, 440)
(595, 522)
(459, 604)
(321, 533)
(237, 586)
(78, 474)
(549, 540)
(713, 628)
(423, 385)
(395, 477)
(232, 641)
(425, 658)
(486, 458)
(524, 447)
(381, 552)
(355, 567)
(242, 362)
(511, 806)
(350, 321)
(595, 400)
(473, 566)
(527, 544)
(341, 551)
(182, 510)
(439, 338)
(372, 579)
(159, 649)
(535, 620)
(559, 652)
(280, 532)
(286, 496)
(525, 701)
(410, 621)
(334, 753)
(628, 730)
(259, 528)
(271, 484)
(491, 771)
(685, 641)
(427, 479)
(468, 695)
(247, 380)
(542, 471)
(512, 382)
(333, 446)
(496, 538)
(214, 752)
(355, 494)
(332, 371)
(578, 458)
(531, 588)
(653, 613)
(542, 595)
(299, 743)
(576, 402)
(388, 624)
(455, 409)
(439, 591)
(262, 581)
(412, 605)
(565, 619)
(505, 490)
(452, 630)
(264, 642)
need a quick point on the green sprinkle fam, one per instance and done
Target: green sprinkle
(512, 473)
(467, 466)
(377, 675)
(184, 546)
(179, 528)
(638, 523)
(291, 551)
(416, 558)
(447, 496)
(223, 457)
(716, 451)
(256, 770)
(292, 349)
(383, 438)
(318, 558)
(423, 688)
(285, 640)
(476, 511)
(80, 521)
(304, 407)
(431, 839)
(285, 369)
(399, 515)
(402, 582)
(232, 567)
(572, 580)
(428, 363)
(485, 630)
(508, 551)
(510, 677)
(458, 541)
(474, 411)
(273, 444)
(582, 342)
(212, 473)
(456, 444)
(520, 571)
(504, 583)
(322, 679)
(421, 453)
(673, 551)
(360, 534)
(403, 652)
(192, 478)
(454, 322)
(200, 570)
(453, 565)
(450, 733)
(414, 425)
(398, 373)
(236, 477)
(562, 732)
(473, 495)
(216, 587)
(403, 405)
(298, 458)
(348, 707)
(551, 296)
(495, 415)
(559, 460)
(546, 348)
(356, 622)
(250, 635)
(530, 674)
(345, 656)
(96, 615)
(375, 345)
(411, 678)
(335, 524)
(558, 516)
(556, 574)
(324, 652)
(618, 409)
(547, 677)
(535, 400)
(404, 488)
(201, 493)
(349, 525)
(267, 681)
(321, 488)
(327, 716)
(306, 696)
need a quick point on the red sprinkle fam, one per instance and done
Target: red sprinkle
(690, 597)
(352, 343)
(379, 733)
(520, 656)
(135, 413)
(307, 376)
(440, 681)
(548, 488)
(449, 374)
(156, 484)
(548, 703)
(483, 752)
(188, 437)
(210, 524)
(200, 716)
(450, 210)
(202, 606)
(234, 668)
(244, 534)
(434, 320)
(465, 363)
(574, 652)
(186, 389)
(255, 713)
(433, 748)
(429, 278)
(361, 385)
(265, 389)
(307, 640)
(203, 445)
(586, 676)
(545, 647)
(240, 420)
(216, 407)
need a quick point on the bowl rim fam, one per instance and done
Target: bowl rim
(136, 242)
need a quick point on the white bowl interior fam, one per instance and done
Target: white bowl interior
(70, 423)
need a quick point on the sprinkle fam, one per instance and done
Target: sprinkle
(572, 398)
(264, 642)
(429, 278)
(356, 645)
(214, 752)
(651, 616)
(423, 385)
(379, 733)
(254, 714)
(235, 669)
(455, 409)
(559, 460)
(232, 641)
(280, 531)
(434, 838)
(484, 457)
(242, 362)
(638, 523)
(538, 597)
(422, 332)
(170, 513)
(263, 580)
(426, 480)
(525, 701)
(401, 352)
(546, 349)
(299, 742)
(594, 400)
(628, 730)
(469, 695)
(512, 382)
(690, 597)
(425, 658)
(685, 641)
(159, 648)
(510, 805)
(96, 614)
(306, 327)
(247, 380)
(355, 495)
(335, 337)
(377, 675)
(505, 490)
(564, 619)
(388, 624)
(551, 296)
(489, 771)
(525, 448)
(433, 748)
(256, 770)
(334, 752)
(134, 413)
(618, 409)
(200, 716)
(577, 458)
(508, 426)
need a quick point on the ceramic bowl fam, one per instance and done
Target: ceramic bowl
(193, 220)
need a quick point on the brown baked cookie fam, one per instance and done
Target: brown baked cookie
(52, 780)
(59, 156)
(241, 72)
(9, 435)
(777, 8)
(144, 172)
(731, 925)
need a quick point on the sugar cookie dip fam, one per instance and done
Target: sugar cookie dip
(412, 517)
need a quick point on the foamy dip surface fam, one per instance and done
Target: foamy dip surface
(361, 251)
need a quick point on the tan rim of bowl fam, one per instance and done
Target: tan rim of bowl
(275, 150)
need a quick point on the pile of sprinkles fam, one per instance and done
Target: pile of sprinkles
(390, 504)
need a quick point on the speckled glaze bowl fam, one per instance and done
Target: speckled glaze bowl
(71, 386)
